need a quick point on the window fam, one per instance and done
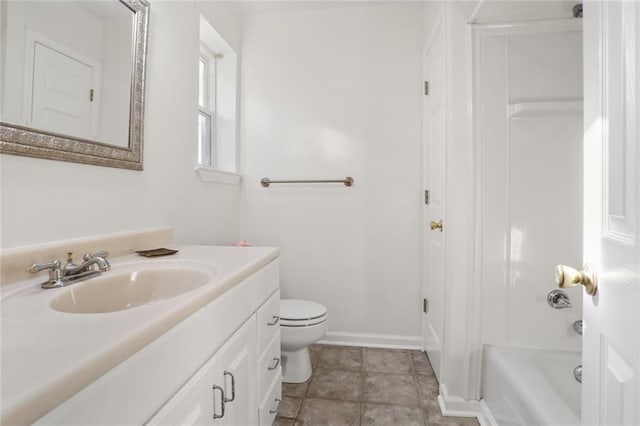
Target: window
(207, 107)
(217, 107)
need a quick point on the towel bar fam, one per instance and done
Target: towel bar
(348, 181)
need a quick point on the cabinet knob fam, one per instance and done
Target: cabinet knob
(436, 225)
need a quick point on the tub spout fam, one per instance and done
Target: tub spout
(577, 373)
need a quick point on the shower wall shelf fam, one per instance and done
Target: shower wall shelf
(537, 109)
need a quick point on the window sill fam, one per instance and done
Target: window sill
(210, 175)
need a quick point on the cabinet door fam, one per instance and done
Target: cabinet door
(197, 401)
(238, 360)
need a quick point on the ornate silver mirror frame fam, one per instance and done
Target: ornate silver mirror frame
(19, 140)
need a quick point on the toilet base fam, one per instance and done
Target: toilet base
(296, 366)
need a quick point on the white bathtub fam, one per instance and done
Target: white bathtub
(531, 386)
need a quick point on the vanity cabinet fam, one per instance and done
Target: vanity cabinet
(223, 390)
(225, 356)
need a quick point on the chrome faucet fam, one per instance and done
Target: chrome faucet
(93, 265)
(91, 261)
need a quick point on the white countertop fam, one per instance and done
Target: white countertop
(48, 356)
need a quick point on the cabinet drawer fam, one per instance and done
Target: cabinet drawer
(268, 321)
(268, 365)
(271, 403)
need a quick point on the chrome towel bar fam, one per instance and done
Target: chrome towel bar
(348, 181)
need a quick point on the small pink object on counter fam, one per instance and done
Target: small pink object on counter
(243, 243)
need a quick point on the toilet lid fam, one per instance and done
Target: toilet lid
(300, 310)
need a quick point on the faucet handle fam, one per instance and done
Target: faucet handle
(70, 265)
(37, 267)
(55, 273)
(102, 253)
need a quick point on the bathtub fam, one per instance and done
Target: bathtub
(531, 386)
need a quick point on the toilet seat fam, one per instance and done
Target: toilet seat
(302, 322)
(301, 313)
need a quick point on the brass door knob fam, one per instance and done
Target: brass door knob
(567, 277)
(436, 225)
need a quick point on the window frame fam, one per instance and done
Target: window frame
(209, 108)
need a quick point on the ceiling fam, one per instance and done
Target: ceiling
(496, 11)
(265, 6)
(486, 11)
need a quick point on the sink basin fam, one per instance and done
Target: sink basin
(117, 291)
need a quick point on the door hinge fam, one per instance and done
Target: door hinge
(426, 87)
(426, 196)
(91, 95)
(425, 305)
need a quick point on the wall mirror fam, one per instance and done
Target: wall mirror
(72, 81)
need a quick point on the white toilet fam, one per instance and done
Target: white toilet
(302, 323)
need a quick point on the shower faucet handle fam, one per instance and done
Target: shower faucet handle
(558, 299)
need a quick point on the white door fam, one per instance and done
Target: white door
(61, 97)
(434, 179)
(611, 345)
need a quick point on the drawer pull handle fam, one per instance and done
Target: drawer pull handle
(275, 365)
(278, 401)
(233, 387)
(276, 319)
(221, 415)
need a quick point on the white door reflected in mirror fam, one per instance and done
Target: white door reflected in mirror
(61, 101)
(68, 68)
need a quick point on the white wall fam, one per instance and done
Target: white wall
(224, 20)
(46, 200)
(326, 94)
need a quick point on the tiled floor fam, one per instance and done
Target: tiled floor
(362, 386)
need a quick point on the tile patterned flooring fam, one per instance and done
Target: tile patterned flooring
(363, 386)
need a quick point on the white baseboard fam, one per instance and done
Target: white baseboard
(387, 341)
(460, 407)
(487, 418)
